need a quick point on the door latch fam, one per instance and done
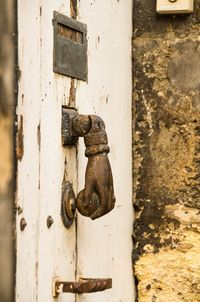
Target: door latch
(97, 198)
(84, 285)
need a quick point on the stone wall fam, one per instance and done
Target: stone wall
(166, 149)
(6, 152)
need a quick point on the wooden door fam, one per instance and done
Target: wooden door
(96, 249)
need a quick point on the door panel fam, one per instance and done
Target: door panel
(104, 245)
(57, 244)
(94, 249)
(47, 252)
(27, 195)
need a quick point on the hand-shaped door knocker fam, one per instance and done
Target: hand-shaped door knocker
(97, 198)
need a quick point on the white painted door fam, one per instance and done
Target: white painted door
(95, 249)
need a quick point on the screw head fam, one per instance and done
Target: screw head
(23, 224)
(50, 221)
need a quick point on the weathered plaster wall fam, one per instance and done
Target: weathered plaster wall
(6, 151)
(166, 143)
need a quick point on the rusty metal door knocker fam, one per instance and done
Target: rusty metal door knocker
(97, 198)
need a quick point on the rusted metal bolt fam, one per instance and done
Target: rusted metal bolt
(50, 221)
(23, 224)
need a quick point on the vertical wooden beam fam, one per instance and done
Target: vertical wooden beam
(7, 58)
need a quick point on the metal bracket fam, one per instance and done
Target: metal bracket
(84, 285)
(68, 139)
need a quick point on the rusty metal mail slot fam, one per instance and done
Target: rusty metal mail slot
(70, 47)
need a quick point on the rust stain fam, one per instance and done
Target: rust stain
(38, 135)
(72, 94)
(73, 8)
(20, 140)
(39, 145)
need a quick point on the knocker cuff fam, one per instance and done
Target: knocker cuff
(96, 140)
(96, 149)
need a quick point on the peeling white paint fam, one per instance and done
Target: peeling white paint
(96, 251)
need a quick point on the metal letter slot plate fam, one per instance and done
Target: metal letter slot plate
(70, 47)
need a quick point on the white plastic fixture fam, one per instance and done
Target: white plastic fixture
(175, 6)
